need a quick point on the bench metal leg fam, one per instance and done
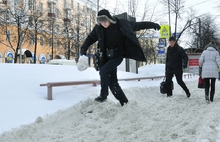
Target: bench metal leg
(49, 93)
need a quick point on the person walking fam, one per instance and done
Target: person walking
(116, 40)
(209, 61)
(176, 61)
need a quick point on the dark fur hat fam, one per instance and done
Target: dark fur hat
(104, 15)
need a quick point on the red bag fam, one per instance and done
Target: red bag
(201, 82)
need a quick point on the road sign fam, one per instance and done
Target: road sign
(162, 42)
(161, 51)
(164, 31)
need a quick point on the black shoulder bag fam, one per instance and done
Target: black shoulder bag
(163, 88)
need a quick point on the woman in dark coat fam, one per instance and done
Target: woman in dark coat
(116, 40)
(176, 61)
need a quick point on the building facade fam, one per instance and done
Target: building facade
(36, 31)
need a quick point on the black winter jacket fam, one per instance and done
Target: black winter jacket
(176, 59)
(132, 48)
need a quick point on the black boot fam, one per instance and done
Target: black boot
(101, 98)
(207, 95)
(212, 96)
(188, 93)
(119, 95)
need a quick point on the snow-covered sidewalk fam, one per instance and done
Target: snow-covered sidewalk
(148, 117)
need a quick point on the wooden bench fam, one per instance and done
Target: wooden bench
(56, 84)
(94, 82)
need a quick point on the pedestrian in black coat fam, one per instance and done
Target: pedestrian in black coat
(176, 61)
(116, 40)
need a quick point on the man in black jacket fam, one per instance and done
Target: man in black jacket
(176, 61)
(116, 40)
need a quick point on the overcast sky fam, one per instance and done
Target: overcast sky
(201, 6)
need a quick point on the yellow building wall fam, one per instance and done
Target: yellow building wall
(7, 53)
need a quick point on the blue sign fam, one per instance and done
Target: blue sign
(161, 51)
(10, 57)
(32, 58)
(161, 44)
(177, 35)
(42, 59)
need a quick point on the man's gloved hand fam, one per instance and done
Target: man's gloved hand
(82, 63)
(184, 66)
(156, 26)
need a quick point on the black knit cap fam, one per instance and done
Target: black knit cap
(104, 15)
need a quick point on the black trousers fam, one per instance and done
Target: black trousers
(108, 76)
(207, 85)
(179, 78)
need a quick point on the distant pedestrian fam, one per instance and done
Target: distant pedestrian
(176, 61)
(210, 62)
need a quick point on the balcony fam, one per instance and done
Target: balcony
(52, 15)
(52, 1)
(66, 21)
(67, 8)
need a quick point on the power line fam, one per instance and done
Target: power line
(199, 3)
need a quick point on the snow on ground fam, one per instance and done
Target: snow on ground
(73, 116)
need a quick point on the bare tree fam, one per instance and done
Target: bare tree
(16, 21)
(36, 22)
(204, 31)
(175, 7)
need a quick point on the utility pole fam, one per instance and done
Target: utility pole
(97, 6)
(200, 41)
(169, 15)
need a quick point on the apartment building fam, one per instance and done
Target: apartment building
(40, 30)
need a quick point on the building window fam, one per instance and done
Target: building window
(78, 8)
(6, 16)
(32, 39)
(41, 8)
(30, 22)
(18, 3)
(57, 12)
(42, 41)
(8, 35)
(84, 9)
(22, 39)
(58, 44)
(71, 32)
(57, 29)
(65, 46)
(72, 17)
(41, 23)
(50, 42)
(30, 4)
(72, 4)
(64, 3)
(51, 7)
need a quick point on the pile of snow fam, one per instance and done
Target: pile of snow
(74, 116)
